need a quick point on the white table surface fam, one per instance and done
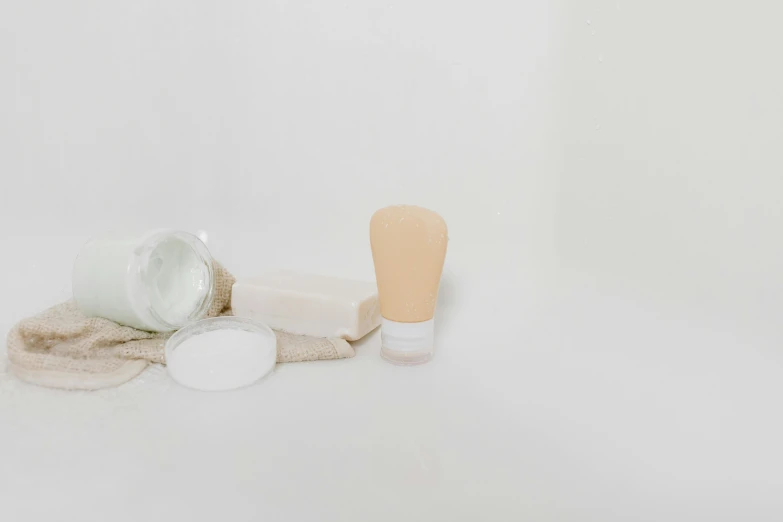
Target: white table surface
(539, 405)
(609, 333)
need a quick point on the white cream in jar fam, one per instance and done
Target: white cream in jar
(158, 281)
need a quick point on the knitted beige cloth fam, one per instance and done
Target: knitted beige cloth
(63, 348)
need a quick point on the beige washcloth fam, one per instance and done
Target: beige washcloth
(63, 348)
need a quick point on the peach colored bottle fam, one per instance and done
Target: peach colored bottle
(408, 249)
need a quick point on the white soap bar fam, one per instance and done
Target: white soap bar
(314, 305)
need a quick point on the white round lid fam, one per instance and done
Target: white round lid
(221, 353)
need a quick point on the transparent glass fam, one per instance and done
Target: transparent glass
(406, 358)
(221, 363)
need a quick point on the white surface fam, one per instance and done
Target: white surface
(609, 333)
(670, 169)
(309, 304)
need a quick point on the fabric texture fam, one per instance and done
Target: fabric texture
(63, 348)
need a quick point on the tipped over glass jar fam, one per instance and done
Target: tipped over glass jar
(157, 281)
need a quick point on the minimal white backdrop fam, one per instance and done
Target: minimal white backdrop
(609, 332)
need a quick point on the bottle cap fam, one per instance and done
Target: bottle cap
(407, 343)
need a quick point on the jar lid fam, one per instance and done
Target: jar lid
(221, 353)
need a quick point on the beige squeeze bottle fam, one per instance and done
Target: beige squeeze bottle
(408, 249)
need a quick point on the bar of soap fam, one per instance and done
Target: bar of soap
(319, 306)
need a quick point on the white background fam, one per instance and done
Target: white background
(609, 334)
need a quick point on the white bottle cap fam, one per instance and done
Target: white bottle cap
(407, 338)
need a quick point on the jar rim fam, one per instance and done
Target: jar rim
(140, 291)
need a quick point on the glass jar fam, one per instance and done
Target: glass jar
(158, 281)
